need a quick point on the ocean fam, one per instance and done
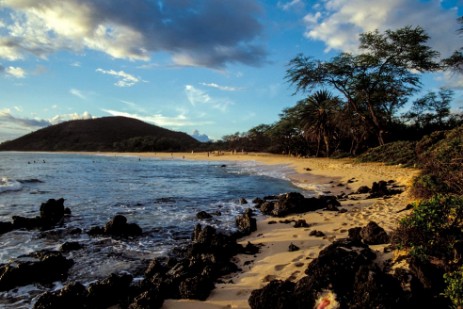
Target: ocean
(162, 196)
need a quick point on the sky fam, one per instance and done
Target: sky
(214, 67)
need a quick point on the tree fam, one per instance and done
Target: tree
(431, 110)
(317, 117)
(455, 62)
(376, 82)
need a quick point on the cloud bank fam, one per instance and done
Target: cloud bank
(206, 33)
(339, 22)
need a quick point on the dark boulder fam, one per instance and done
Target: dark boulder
(373, 234)
(202, 215)
(39, 267)
(317, 233)
(197, 287)
(26, 223)
(354, 234)
(52, 213)
(70, 246)
(373, 288)
(72, 296)
(301, 223)
(110, 291)
(118, 226)
(292, 247)
(149, 299)
(276, 295)
(363, 190)
(294, 203)
(246, 223)
(6, 227)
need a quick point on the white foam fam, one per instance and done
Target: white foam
(7, 184)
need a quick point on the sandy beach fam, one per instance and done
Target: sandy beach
(275, 261)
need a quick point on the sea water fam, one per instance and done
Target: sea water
(162, 196)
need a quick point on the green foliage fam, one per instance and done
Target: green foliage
(454, 288)
(375, 83)
(401, 152)
(441, 157)
(433, 227)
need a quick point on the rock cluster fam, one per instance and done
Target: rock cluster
(39, 267)
(51, 214)
(347, 271)
(294, 203)
(117, 227)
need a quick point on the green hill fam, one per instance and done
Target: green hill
(102, 134)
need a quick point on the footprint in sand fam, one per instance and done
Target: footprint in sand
(269, 278)
(300, 257)
(280, 267)
(299, 264)
(293, 276)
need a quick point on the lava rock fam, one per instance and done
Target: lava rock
(39, 267)
(202, 215)
(373, 234)
(118, 226)
(276, 295)
(52, 212)
(246, 223)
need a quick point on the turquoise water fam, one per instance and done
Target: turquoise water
(161, 195)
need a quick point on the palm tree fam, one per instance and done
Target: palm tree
(316, 115)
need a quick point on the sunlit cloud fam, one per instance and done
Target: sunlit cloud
(180, 120)
(11, 71)
(338, 23)
(73, 116)
(186, 30)
(124, 79)
(197, 97)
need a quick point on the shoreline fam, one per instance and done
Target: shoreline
(274, 261)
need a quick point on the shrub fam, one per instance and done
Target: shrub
(453, 290)
(433, 227)
(402, 152)
(442, 162)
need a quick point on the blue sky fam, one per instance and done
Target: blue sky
(208, 65)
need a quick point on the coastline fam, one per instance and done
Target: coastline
(275, 261)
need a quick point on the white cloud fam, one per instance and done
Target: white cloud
(77, 93)
(180, 120)
(73, 116)
(198, 97)
(15, 72)
(124, 79)
(224, 88)
(290, 5)
(339, 22)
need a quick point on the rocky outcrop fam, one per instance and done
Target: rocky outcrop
(117, 227)
(52, 214)
(114, 290)
(294, 203)
(346, 268)
(40, 267)
(245, 223)
(371, 234)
